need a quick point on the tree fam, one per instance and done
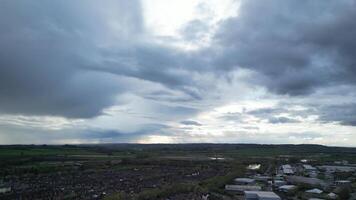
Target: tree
(344, 193)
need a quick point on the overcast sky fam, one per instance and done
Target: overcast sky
(172, 71)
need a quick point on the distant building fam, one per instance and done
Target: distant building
(314, 191)
(309, 168)
(305, 180)
(244, 181)
(313, 174)
(343, 183)
(261, 195)
(4, 189)
(287, 169)
(278, 177)
(242, 188)
(343, 162)
(278, 183)
(262, 178)
(335, 168)
(311, 171)
(332, 195)
(287, 188)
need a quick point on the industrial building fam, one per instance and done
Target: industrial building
(261, 195)
(287, 169)
(242, 188)
(244, 181)
(332, 168)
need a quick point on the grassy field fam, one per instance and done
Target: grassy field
(183, 151)
(44, 150)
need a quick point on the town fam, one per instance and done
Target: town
(298, 181)
(178, 172)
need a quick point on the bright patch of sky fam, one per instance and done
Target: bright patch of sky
(167, 19)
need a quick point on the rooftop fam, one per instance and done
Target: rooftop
(286, 166)
(287, 187)
(314, 191)
(262, 194)
(243, 187)
(287, 171)
(309, 167)
(307, 180)
(337, 168)
(244, 180)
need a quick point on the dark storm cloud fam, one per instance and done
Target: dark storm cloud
(156, 63)
(66, 58)
(272, 114)
(296, 47)
(45, 47)
(344, 114)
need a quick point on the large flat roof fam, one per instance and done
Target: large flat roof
(307, 180)
(309, 167)
(246, 180)
(263, 194)
(287, 166)
(243, 187)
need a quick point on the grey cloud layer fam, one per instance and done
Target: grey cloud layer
(344, 114)
(65, 58)
(45, 48)
(191, 123)
(69, 58)
(297, 47)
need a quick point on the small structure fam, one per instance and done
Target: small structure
(305, 180)
(309, 168)
(262, 178)
(310, 171)
(287, 169)
(254, 166)
(261, 195)
(334, 168)
(343, 162)
(5, 189)
(277, 183)
(313, 174)
(278, 177)
(314, 191)
(287, 188)
(241, 188)
(244, 181)
(332, 195)
(343, 183)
